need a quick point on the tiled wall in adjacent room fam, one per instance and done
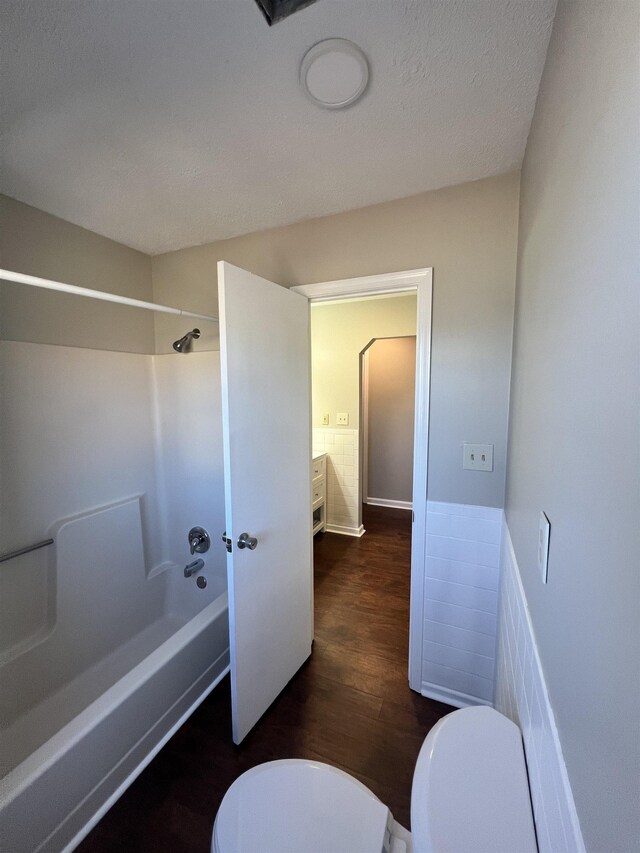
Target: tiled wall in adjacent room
(343, 485)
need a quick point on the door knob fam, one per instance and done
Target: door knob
(246, 541)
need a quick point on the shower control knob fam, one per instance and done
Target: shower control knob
(246, 541)
(199, 540)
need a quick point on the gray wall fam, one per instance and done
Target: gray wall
(468, 233)
(392, 381)
(39, 244)
(574, 425)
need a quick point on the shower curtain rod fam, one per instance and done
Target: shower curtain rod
(34, 281)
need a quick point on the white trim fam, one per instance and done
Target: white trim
(420, 471)
(364, 422)
(103, 295)
(389, 503)
(368, 285)
(421, 281)
(520, 691)
(345, 531)
(450, 697)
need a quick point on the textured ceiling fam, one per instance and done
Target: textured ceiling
(167, 123)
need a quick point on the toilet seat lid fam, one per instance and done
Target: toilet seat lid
(470, 790)
(293, 805)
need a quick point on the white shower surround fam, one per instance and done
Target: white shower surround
(114, 646)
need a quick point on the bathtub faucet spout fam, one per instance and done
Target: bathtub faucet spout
(194, 567)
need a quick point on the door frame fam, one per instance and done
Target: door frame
(364, 422)
(421, 282)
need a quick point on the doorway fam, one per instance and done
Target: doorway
(418, 282)
(341, 332)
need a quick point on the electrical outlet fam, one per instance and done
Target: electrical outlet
(544, 534)
(325, 419)
(477, 457)
(342, 419)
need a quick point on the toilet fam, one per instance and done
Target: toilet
(470, 794)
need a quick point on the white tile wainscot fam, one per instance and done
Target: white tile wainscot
(521, 694)
(343, 478)
(462, 576)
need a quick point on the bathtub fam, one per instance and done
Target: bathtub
(54, 792)
(105, 646)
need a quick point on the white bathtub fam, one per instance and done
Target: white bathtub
(52, 798)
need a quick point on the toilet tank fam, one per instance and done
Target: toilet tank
(470, 791)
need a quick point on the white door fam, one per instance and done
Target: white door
(264, 355)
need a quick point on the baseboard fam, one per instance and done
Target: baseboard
(345, 531)
(521, 694)
(449, 697)
(389, 503)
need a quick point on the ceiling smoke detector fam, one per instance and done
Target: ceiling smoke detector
(334, 73)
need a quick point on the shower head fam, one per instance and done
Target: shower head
(183, 344)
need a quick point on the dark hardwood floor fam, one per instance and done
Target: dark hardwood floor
(350, 705)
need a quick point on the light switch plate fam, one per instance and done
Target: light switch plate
(477, 457)
(342, 419)
(544, 533)
(325, 419)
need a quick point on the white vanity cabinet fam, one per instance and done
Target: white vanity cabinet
(319, 491)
